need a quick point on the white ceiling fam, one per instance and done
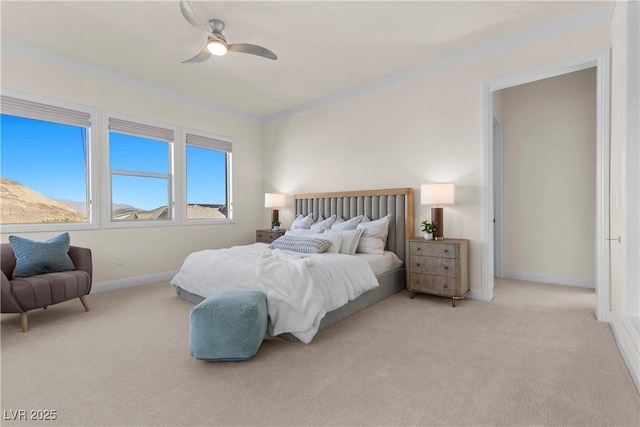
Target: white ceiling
(324, 48)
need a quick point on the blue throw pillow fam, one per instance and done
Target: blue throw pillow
(41, 257)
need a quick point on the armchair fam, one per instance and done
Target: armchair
(21, 294)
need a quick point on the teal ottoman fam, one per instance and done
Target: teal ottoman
(228, 326)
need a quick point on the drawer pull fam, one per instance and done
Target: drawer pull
(418, 248)
(417, 282)
(446, 286)
(417, 264)
(445, 267)
(446, 251)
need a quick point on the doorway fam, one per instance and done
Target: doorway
(600, 60)
(545, 207)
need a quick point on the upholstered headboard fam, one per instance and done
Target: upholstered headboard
(374, 203)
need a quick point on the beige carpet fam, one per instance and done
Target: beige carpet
(534, 356)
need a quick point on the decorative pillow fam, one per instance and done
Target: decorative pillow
(323, 224)
(350, 239)
(374, 235)
(336, 239)
(34, 257)
(347, 225)
(306, 245)
(303, 222)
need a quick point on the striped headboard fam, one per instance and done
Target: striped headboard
(374, 203)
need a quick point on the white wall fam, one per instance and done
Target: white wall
(549, 185)
(428, 129)
(152, 250)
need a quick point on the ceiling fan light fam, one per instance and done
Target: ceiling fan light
(217, 47)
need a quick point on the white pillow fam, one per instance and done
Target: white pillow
(374, 235)
(303, 222)
(323, 224)
(347, 225)
(336, 242)
(300, 232)
(350, 239)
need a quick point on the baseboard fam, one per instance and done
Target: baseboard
(475, 294)
(132, 281)
(627, 351)
(545, 278)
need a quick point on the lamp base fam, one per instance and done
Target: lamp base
(437, 219)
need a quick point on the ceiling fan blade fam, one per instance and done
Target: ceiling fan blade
(192, 18)
(201, 57)
(252, 49)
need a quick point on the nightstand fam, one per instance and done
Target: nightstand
(268, 235)
(439, 268)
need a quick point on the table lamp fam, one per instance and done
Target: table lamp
(437, 194)
(275, 201)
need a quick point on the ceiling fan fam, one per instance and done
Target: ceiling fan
(216, 43)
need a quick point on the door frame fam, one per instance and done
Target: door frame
(498, 179)
(600, 60)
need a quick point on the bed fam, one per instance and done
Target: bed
(397, 204)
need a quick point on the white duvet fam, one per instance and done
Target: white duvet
(300, 288)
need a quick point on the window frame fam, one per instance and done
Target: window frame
(229, 178)
(92, 195)
(107, 194)
(98, 183)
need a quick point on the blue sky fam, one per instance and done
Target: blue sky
(49, 158)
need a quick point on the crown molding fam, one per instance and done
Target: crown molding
(563, 26)
(10, 45)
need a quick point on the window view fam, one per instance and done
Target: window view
(44, 169)
(141, 173)
(207, 194)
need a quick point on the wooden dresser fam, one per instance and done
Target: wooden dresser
(268, 235)
(439, 267)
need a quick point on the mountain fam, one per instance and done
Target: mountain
(73, 204)
(21, 205)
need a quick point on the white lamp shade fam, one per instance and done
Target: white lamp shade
(274, 200)
(437, 194)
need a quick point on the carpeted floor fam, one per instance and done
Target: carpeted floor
(534, 356)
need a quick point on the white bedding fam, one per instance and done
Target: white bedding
(300, 288)
(382, 263)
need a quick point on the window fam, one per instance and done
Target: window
(45, 165)
(47, 169)
(141, 172)
(208, 183)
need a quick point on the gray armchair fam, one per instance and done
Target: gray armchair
(21, 294)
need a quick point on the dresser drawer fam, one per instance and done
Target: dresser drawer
(268, 236)
(444, 250)
(439, 285)
(432, 265)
